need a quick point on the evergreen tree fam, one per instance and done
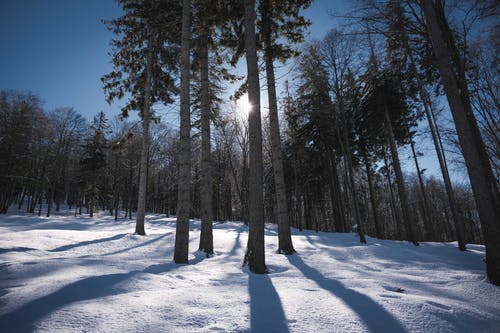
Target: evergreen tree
(144, 63)
(255, 254)
(183, 202)
(94, 159)
(280, 21)
(384, 102)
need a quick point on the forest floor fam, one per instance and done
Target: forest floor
(67, 273)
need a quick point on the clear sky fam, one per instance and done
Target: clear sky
(57, 49)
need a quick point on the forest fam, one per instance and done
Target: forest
(318, 148)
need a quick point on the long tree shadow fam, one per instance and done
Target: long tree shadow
(236, 245)
(266, 310)
(84, 243)
(139, 245)
(23, 319)
(376, 318)
(16, 249)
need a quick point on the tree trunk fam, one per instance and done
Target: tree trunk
(146, 118)
(255, 254)
(91, 203)
(373, 199)
(350, 174)
(183, 201)
(360, 230)
(335, 197)
(429, 228)
(484, 186)
(285, 245)
(403, 195)
(206, 236)
(439, 152)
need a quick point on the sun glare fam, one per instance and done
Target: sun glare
(244, 105)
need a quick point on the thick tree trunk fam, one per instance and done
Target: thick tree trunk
(255, 254)
(206, 236)
(403, 195)
(183, 202)
(285, 245)
(484, 186)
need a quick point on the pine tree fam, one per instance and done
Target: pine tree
(144, 34)
(255, 254)
(94, 159)
(385, 103)
(183, 202)
(280, 20)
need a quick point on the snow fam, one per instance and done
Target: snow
(66, 273)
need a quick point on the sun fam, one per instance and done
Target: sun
(244, 104)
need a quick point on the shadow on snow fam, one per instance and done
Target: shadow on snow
(376, 318)
(24, 318)
(266, 310)
(84, 243)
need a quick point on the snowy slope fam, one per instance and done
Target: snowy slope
(81, 274)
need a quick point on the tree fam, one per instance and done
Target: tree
(94, 160)
(280, 19)
(23, 143)
(66, 127)
(183, 201)
(206, 18)
(385, 103)
(484, 185)
(255, 254)
(143, 36)
(339, 53)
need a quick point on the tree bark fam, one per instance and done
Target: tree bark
(206, 236)
(484, 186)
(255, 254)
(285, 245)
(183, 202)
(146, 119)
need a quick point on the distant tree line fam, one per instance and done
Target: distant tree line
(331, 162)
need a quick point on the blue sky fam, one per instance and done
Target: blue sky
(57, 49)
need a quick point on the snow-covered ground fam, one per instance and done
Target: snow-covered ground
(94, 275)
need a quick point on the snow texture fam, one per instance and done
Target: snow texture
(75, 274)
